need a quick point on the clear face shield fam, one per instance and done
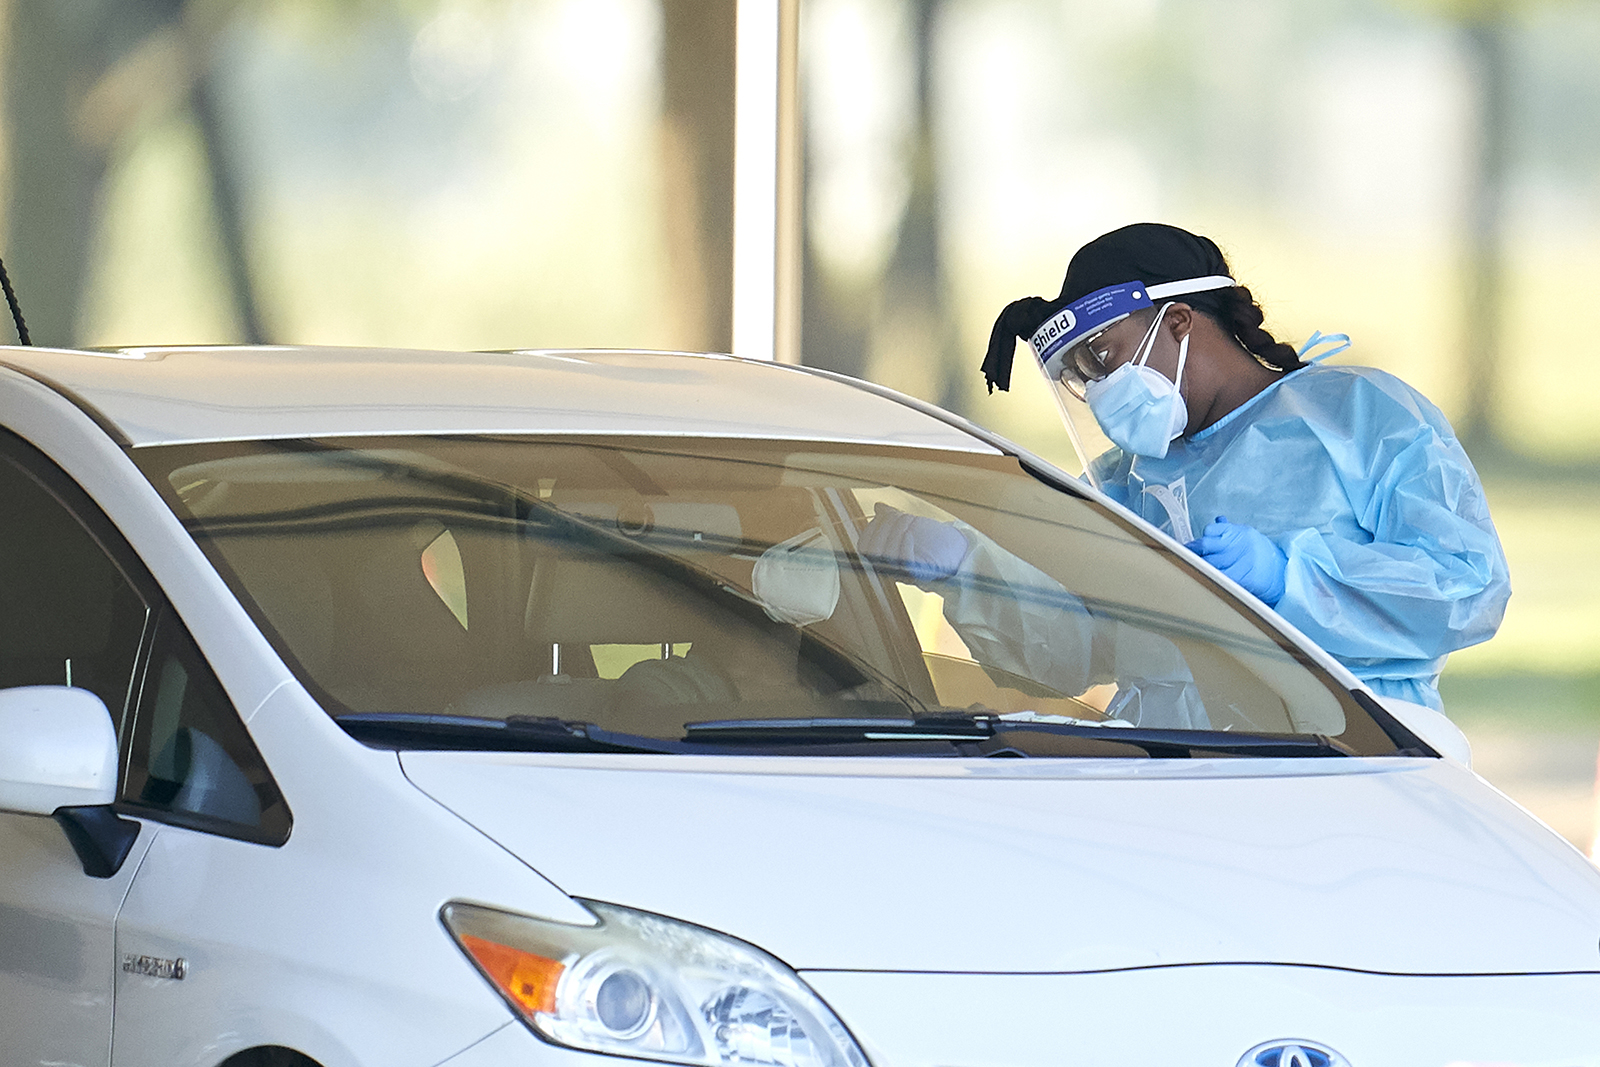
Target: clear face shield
(1068, 349)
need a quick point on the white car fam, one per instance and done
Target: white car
(543, 708)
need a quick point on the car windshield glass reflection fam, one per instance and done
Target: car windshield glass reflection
(674, 595)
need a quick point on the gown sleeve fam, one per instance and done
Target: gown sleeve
(1012, 615)
(1016, 617)
(1425, 574)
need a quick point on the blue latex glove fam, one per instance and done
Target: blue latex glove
(926, 548)
(1244, 554)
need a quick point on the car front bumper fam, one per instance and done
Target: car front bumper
(1215, 1014)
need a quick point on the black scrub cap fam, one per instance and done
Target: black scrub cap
(1148, 252)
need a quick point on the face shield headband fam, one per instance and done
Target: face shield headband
(1089, 314)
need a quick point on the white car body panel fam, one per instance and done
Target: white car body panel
(1128, 873)
(1434, 727)
(167, 396)
(56, 963)
(853, 870)
(514, 1045)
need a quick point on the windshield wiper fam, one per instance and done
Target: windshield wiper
(519, 733)
(1191, 743)
(834, 731)
(965, 728)
(950, 734)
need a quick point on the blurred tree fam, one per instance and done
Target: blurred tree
(833, 317)
(1486, 28)
(57, 53)
(82, 76)
(894, 327)
(697, 78)
(916, 336)
(1486, 33)
(225, 180)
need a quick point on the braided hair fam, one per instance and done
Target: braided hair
(1152, 253)
(1237, 312)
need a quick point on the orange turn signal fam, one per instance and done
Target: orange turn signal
(528, 980)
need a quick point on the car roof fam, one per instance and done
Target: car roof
(153, 396)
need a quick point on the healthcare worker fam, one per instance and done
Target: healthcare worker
(1338, 495)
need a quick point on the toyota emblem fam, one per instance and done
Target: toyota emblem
(1292, 1054)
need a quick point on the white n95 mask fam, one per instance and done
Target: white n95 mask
(797, 581)
(1140, 409)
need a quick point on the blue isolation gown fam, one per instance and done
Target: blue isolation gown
(1393, 560)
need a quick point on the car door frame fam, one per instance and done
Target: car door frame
(57, 958)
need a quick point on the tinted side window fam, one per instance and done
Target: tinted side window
(191, 759)
(68, 615)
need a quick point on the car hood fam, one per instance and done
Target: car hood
(1401, 866)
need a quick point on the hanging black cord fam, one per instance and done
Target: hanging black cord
(16, 309)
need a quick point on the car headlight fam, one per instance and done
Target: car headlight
(637, 984)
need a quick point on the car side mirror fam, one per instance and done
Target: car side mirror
(1444, 736)
(58, 757)
(57, 749)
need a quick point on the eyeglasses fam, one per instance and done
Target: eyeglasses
(1085, 362)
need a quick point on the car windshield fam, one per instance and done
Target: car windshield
(671, 595)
